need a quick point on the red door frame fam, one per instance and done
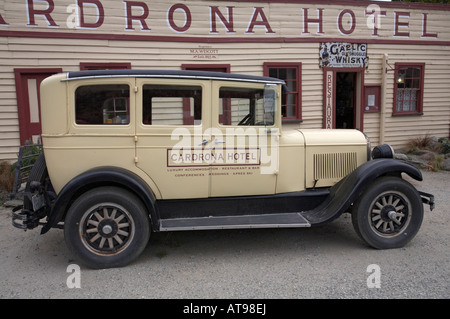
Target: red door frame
(325, 93)
(26, 128)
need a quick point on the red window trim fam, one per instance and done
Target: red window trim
(84, 66)
(298, 65)
(207, 67)
(401, 66)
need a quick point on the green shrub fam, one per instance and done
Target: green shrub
(445, 145)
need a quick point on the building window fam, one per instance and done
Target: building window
(291, 101)
(408, 88)
(89, 66)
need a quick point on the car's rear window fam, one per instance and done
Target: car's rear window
(102, 104)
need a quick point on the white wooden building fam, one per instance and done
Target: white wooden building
(380, 67)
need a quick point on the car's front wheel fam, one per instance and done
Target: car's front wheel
(388, 214)
(107, 227)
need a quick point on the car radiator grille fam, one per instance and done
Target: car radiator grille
(334, 165)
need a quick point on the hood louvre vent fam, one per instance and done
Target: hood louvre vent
(332, 166)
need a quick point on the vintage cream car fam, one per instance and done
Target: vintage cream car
(129, 152)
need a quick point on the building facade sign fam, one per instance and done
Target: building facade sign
(343, 55)
(226, 20)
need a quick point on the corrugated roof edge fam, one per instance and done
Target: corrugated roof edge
(170, 74)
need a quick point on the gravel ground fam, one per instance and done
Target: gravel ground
(322, 262)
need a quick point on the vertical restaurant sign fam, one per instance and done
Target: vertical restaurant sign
(343, 55)
(329, 94)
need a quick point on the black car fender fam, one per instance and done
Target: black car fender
(349, 189)
(111, 176)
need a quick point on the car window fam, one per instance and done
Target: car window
(102, 104)
(172, 105)
(243, 106)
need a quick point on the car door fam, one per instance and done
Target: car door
(172, 117)
(244, 142)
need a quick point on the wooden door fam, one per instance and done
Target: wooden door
(28, 84)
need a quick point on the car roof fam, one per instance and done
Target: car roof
(171, 74)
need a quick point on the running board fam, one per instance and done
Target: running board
(283, 220)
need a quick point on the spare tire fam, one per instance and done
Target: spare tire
(38, 174)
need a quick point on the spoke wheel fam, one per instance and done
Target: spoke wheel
(108, 228)
(390, 214)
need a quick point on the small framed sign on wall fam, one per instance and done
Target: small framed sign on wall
(372, 98)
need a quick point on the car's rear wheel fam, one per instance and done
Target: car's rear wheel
(388, 214)
(107, 227)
